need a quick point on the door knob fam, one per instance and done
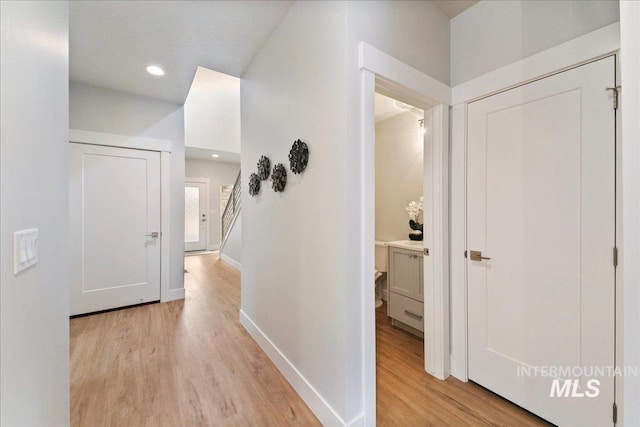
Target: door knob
(477, 256)
(154, 234)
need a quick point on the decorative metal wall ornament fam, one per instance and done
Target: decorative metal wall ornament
(298, 157)
(254, 184)
(264, 168)
(279, 178)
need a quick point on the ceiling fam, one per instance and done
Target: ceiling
(112, 42)
(452, 8)
(386, 107)
(203, 154)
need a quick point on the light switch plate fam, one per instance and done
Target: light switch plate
(25, 249)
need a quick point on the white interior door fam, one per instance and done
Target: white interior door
(114, 205)
(195, 216)
(541, 206)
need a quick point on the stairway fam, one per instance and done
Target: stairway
(230, 233)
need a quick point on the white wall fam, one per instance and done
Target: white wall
(102, 110)
(630, 73)
(293, 285)
(399, 174)
(492, 34)
(301, 254)
(231, 252)
(34, 305)
(414, 32)
(219, 173)
(212, 112)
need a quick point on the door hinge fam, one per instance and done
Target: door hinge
(615, 413)
(616, 91)
(615, 256)
(465, 254)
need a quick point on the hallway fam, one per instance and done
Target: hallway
(182, 363)
(191, 363)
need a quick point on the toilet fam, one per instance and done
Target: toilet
(380, 270)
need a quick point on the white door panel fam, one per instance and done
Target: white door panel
(195, 216)
(541, 205)
(114, 201)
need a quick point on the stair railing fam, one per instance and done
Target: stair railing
(231, 211)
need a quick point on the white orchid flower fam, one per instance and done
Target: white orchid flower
(414, 208)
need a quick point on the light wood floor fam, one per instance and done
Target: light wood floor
(183, 363)
(408, 396)
(190, 363)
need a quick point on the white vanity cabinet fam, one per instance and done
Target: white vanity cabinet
(406, 285)
(405, 273)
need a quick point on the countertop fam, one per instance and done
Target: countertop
(412, 245)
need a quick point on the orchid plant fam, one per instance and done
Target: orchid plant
(414, 208)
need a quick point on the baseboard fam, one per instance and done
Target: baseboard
(232, 262)
(407, 328)
(172, 295)
(197, 253)
(325, 413)
(214, 247)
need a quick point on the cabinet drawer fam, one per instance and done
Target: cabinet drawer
(406, 310)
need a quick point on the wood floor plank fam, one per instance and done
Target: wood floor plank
(408, 396)
(183, 363)
(191, 363)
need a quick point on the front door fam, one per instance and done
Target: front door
(541, 223)
(195, 216)
(114, 208)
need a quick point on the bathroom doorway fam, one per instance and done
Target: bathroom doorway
(399, 211)
(402, 265)
(387, 76)
(407, 226)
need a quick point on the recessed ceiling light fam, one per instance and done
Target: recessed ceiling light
(215, 155)
(155, 70)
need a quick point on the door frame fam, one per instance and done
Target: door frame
(207, 182)
(630, 189)
(389, 76)
(164, 148)
(588, 48)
